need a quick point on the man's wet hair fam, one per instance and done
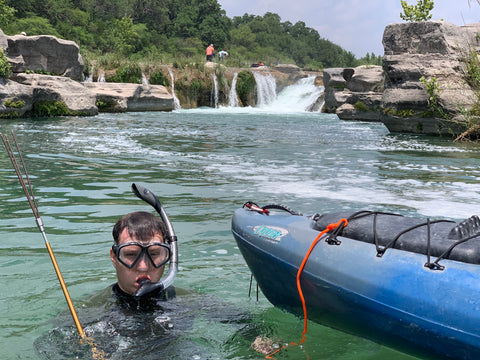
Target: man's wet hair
(140, 224)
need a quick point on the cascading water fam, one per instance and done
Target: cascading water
(232, 96)
(266, 88)
(299, 97)
(89, 78)
(144, 80)
(101, 77)
(214, 99)
(176, 102)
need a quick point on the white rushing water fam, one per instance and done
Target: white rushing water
(203, 164)
(266, 88)
(232, 96)
(176, 102)
(300, 96)
(296, 98)
(214, 99)
(144, 80)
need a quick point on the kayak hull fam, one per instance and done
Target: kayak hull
(394, 299)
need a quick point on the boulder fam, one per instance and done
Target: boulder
(30, 90)
(366, 79)
(354, 93)
(436, 51)
(44, 53)
(122, 97)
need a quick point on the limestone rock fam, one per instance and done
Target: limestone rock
(20, 97)
(44, 53)
(366, 78)
(122, 97)
(354, 93)
(36, 88)
(287, 68)
(434, 50)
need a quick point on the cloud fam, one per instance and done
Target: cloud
(355, 25)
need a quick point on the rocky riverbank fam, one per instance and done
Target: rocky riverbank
(422, 86)
(48, 80)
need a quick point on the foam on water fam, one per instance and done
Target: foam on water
(204, 164)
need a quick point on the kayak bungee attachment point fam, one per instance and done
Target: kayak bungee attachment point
(171, 240)
(266, 209)
(371, 273)
(28, 190)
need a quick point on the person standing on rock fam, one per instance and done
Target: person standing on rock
(210, 52)
(222, 54)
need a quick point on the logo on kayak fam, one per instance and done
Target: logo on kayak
(270, 232)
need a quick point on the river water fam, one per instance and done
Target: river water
(203, 164)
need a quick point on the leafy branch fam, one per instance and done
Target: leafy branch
(419, 12)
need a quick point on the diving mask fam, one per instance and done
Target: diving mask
(130, 253)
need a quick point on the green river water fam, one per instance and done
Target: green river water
(203, 164)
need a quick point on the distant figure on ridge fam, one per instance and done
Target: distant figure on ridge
(222, 54)
(210, 52)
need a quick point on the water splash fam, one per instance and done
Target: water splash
(214, 98)
(144, 80)
(232, 96)
(266, 88)
(89, 78)
(301, 96)
(176, 102)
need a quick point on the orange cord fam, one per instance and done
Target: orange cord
(300, 269)
(300, 292)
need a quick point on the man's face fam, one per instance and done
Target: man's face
(128, 278)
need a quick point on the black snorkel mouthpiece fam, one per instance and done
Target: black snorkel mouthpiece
(147, 286)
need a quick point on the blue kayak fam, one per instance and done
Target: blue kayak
(408, 283)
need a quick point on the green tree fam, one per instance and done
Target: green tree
(419, 12)
(6, 13)
(124, 35)
(34, 25)
(5, 68)
(163, 29)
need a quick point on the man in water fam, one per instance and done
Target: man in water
(125, 326)
(139, 254)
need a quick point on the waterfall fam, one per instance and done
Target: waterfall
(101, 77)
(301, 96)
(232, 96)
(215, 91)
(176, 102)
(89, 78)
(144, 80)
(266, 88)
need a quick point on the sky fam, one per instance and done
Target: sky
(355, 25)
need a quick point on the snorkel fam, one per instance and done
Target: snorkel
(171, 239)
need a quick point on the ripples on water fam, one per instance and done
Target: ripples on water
(203, 164)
